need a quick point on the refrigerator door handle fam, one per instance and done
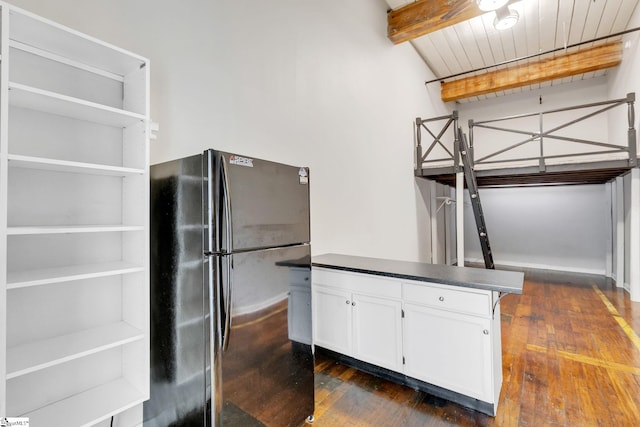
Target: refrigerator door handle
(227, 302)
(227, 204)
(226, 328)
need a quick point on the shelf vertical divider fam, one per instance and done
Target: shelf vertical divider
(4, 175)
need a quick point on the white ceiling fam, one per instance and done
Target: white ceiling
(544, 25)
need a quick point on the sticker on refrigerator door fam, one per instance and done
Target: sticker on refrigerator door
(304, 176)
(240, 161)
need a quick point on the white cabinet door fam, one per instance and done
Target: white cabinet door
(449, 350)
(377, 331)
(332, 319)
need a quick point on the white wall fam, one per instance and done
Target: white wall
(357, 97)
(298, 81)
(624, 78)
(539, 100)
(554, 228)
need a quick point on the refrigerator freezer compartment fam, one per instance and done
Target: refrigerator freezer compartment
(269, 202)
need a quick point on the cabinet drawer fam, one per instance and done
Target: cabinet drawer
(466, 301)
(360, 283)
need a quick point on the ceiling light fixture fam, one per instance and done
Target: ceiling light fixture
(489, 5)
(505, 18)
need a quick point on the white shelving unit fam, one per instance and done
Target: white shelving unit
(74, 227)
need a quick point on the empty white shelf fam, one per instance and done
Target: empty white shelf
(65, 229)
(50, 102)
(41, 163)
(64, 60)
(60, 40)
(31, 357)
(90, 407)
(22, 279)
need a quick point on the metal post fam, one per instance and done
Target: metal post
(634, 237)
(456, 157)
(619, 230)
(459, 196)
(460, 218)
(449, 223)
(433, 207)
(456, 149)
(631, 133)
(471, 155)
(418, 168)
(610, 191)
(542, 165)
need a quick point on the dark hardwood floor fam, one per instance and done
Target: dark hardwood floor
(571, 357)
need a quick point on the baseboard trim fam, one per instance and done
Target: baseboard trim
(533, 266)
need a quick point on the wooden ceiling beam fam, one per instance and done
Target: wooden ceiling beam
(583, 61)
(425, 16)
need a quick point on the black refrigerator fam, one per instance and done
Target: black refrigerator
(230, 293)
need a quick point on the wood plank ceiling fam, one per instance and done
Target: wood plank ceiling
(462, 39)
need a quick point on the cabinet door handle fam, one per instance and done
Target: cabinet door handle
(348, 302)
(441, 299)
(485, 331)
(353, 303)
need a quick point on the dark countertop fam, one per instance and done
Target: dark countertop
(479, 278)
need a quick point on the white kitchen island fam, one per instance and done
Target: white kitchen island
(432, 327)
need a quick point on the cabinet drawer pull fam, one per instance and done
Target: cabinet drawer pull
(441, 299)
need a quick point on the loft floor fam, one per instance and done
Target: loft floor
(578, 173)
(571, 356)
